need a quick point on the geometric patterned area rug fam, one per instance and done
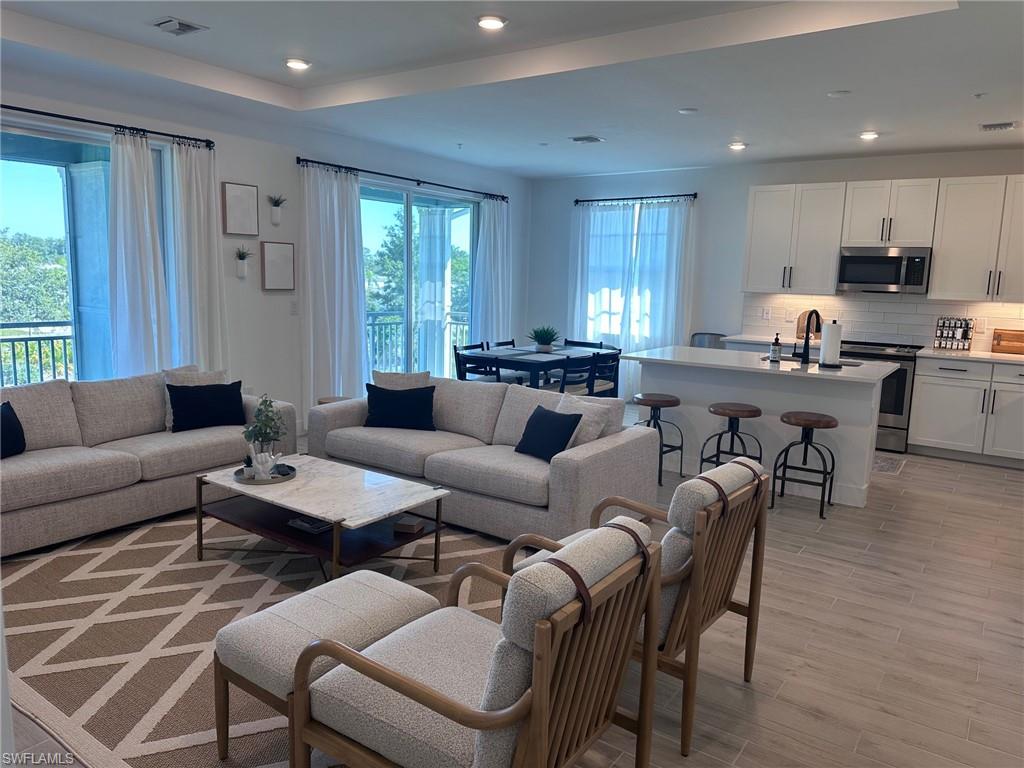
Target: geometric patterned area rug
(110, 639)
(888, 465)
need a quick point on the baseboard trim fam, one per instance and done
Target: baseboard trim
(970, 458)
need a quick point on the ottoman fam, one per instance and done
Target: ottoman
(258, 653)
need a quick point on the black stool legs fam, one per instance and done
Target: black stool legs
(655, 420)
(734, 434)
(827, 472)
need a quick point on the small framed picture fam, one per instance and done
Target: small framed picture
(278, 262)
(240, 203)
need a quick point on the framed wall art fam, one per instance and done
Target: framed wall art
(278, 263)
(241, 210)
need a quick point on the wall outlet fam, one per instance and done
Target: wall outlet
(979, 324)
(791, 315)
(294, 308)
(766, 313)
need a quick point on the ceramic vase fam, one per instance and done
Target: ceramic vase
(275, 215)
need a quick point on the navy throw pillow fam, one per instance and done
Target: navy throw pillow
(12, 436)
(548, 433)
(208, 405)
(400, 408)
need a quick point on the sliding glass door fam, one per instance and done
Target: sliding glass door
(417, 254)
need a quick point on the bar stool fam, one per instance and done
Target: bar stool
(656, 401)
(808, 421)
(733, 412)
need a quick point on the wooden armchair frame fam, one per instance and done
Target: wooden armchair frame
(577, 672)
(719, 548)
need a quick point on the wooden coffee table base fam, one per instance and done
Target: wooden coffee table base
(341, 547)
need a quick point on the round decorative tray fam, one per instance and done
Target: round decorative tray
(281, 473)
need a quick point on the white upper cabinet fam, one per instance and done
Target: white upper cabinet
(965, 254)
(769, 237)
(1010, 266)
(867, 212)
(817, 230)
(911, 213)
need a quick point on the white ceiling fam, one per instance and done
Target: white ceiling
(913, 78)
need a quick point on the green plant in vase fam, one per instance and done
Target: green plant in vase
(266, 429)
(544, 337)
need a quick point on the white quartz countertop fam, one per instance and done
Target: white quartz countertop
(750, 338)
(870, 372)
(974, 355)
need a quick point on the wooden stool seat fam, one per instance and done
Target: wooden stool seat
(657, 400)
(735, 410)
(809, 420)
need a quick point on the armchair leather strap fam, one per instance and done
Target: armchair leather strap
(722, 495)
(757, 478)
(578, 582)
(644, 554)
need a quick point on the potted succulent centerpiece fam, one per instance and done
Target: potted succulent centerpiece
(241, 257)
(266, 429)
(276, 204)
(544, 337)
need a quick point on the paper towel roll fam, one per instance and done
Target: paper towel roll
(831, 335)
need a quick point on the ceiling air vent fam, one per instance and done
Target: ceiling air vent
(177, 27)
(993, 127)
(586, 139)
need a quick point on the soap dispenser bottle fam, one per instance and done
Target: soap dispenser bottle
(775, 351)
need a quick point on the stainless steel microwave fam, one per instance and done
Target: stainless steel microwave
(883, 270)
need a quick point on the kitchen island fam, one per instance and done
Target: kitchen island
(701, 376)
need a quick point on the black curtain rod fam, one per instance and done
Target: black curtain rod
(417, 182)
(691, 195)
(116, 126)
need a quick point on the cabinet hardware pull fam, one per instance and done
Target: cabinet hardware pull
(992, 405)
(790, 277)
(783, 277)
(984, 396)
(888, 237)
(999, 282)
(988, 286)
(881, 235)
(961, 370)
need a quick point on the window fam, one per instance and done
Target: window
(417, 253)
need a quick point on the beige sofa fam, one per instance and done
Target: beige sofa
(494, 489)
(98, 456)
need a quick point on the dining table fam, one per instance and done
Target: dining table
(527, 359)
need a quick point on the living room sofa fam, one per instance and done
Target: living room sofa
(98, 456)
(494, 489)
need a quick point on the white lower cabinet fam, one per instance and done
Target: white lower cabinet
(1004, 435)
(949, 413)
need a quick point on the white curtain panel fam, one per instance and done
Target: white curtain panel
(196, 266)
(139, 318)
(434, 290)
(632, 279)
(334, 292)
(490, 309)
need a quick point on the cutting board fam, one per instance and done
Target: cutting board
(1008, 342)
(801, 324)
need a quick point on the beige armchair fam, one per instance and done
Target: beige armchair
(454, 689)
(702, 555)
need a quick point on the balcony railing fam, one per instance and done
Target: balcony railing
(34, 352)
(386, 341)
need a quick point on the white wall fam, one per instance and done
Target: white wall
(719, 215)
(264, 333)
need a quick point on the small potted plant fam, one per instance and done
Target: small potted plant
(266, 429)
(543, 338)
(276, 204)
(247, 469)
(241, 256)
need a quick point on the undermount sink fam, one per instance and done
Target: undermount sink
(795, 359)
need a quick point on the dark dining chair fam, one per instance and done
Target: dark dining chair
(585, 344)
(576, 377)
(495, 345)
(606, 374)
(465, 369)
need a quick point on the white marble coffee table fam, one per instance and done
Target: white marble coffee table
(355, 501)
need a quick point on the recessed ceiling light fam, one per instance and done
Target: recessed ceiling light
(298, 65)
(737, 146)
(491, 23)
(838, 94)
(687, 111)
(869, 135)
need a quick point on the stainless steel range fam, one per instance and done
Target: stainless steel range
(897, 388)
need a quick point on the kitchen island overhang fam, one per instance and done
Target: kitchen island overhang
(701, 376)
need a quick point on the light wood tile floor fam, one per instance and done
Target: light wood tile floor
(890, 636)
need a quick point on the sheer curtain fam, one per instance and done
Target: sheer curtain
(334, 294)
(632, 278)
(433, 289)
(196, 269)
(139, 317)
(490, 308)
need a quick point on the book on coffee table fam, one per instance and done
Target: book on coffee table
(408, 524)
